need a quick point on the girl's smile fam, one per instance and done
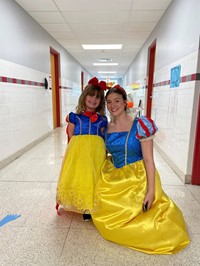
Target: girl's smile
(92, 102)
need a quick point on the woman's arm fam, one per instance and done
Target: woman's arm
(147, 152)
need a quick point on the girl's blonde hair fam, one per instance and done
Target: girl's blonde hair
(92, 90)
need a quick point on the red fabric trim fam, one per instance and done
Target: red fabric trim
(152, 123)
(67, 131)
(92, 115)
(138, 136)
(144, 127)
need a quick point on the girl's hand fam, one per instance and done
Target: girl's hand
(148, 200)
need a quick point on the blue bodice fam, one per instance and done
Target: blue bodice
(124, 146)
(84, 126)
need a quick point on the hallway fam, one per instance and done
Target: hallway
(41, 237)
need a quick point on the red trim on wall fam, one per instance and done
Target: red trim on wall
(193, 77)
(188, 78)
(20, 81)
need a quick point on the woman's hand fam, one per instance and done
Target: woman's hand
(147, 151)
(149, 198)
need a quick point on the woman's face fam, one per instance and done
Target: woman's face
(115, 104)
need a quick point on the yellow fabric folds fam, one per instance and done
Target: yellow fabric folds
(119, 217)
(80, 171)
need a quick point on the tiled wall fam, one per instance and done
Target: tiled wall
(70, 93)
(172, 111)
(26, 108)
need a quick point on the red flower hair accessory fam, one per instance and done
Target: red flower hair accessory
(101, 84)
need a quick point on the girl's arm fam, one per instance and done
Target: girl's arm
(70, 130)
(147, 151)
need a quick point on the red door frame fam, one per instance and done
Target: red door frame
(196, 155)
(57, 87)
(151, 64)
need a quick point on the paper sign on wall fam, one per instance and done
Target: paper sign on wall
(175, 76)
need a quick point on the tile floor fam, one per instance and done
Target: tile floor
(41, 237)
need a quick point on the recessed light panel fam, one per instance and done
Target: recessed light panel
(101, 46)
(105, 64)
(107, 72)
(105, 60)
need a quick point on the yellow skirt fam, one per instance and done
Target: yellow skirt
(79, 173)
(119, 218)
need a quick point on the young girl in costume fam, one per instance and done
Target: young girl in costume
(85, 152)
(132, 208)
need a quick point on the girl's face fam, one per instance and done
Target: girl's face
(91, 103)
(115, 104)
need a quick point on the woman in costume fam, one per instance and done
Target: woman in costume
(132, 208)
(85, 152)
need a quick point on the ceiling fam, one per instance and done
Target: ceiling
(76, 22)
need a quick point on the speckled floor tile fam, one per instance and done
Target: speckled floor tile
(31, 246)
(195, 190)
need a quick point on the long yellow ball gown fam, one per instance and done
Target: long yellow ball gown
(81, 164)
(119, 197)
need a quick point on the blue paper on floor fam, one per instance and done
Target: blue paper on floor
(8, 218)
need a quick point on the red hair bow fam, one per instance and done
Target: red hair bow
(101, 84)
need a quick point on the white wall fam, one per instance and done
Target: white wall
(174, 109)
(26, 110)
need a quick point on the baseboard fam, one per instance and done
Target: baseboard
(185, 178)
(25, 149)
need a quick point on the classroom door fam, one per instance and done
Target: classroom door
(82, 80)
(55, 75)
(196, 156)
(150, 71)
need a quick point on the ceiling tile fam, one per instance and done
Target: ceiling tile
(146, 16)
(56, 27)
(37, 5)
(48, 17)
(150, 4)
(91, 5)
(76, 22)
(97, 16)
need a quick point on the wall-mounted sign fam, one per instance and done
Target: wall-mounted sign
(175, 76)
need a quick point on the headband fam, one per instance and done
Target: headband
(101, 84)
(120, 88)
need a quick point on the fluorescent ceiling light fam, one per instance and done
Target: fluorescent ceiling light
(101, 46)
(105, 64)
(106, 77)
(107, 72)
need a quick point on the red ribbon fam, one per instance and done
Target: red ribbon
(92, 115)
(101, 84)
